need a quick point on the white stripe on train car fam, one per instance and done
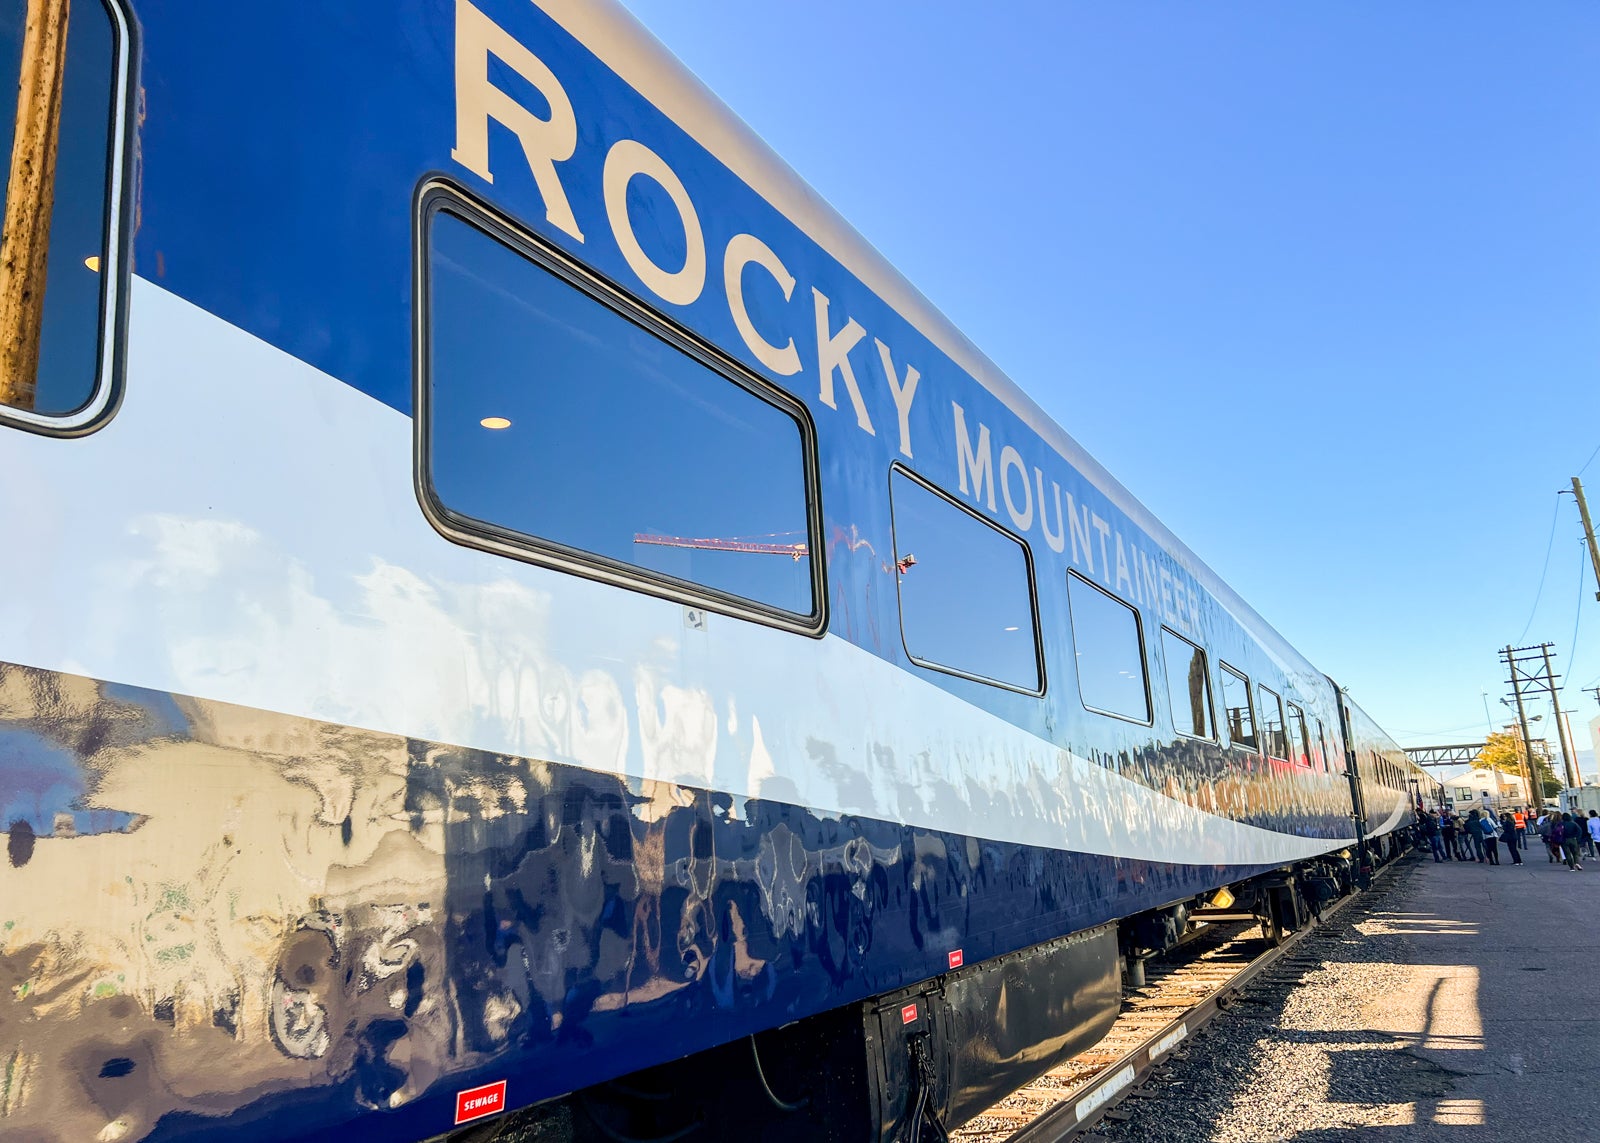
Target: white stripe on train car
(245, 530)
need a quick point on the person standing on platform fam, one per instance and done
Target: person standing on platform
(1447, 828)
(1569, 841)
(1519, 821)
(1594, 831)
(1430, 830)
(1508, 834)
(1549, 835)
(1469, 831)
(1489, 832)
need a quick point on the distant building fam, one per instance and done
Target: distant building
(1472, 788)
(1580, 800)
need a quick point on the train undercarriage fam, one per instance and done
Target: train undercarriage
(906, 1066)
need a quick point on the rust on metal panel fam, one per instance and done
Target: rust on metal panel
(30, 198)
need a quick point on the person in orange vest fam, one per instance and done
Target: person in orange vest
(1520, 821)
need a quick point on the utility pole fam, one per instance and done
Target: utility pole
(1566, 723)
(1588, 531)
(1568, 760)
(1529, 770)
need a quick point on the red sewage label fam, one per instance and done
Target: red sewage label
(955, 959)
(908, 1014)
(475, 1103)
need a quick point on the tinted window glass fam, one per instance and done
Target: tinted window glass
(1109, 652)
(966, 595)
(554, 418)
(1188, 685)
(1297, 730)
(66, 374)
(1273, 739)
(1236, 708)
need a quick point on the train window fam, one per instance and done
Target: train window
(1109, 650)
(561, 423)
(1188, 685)
(1273, 740)
(64, 127)
(1298, 737)
(966, 589)
(1236, 708)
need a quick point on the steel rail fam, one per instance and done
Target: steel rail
(1088, 1104)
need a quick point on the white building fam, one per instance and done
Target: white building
(1472, 788)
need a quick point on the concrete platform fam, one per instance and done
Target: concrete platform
(1502, 991)
(1454, 1002)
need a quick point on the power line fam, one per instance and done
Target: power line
(1548, 545)
(1590, 461)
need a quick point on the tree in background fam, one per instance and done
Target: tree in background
(1503, 752)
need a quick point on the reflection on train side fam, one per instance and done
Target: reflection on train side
(319, 933)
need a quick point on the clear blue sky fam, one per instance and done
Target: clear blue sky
(1320, 283)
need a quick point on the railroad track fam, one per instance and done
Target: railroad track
(1183, 990)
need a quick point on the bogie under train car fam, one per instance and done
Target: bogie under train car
(510, 601)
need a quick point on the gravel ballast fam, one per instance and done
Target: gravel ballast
(1294, 1058)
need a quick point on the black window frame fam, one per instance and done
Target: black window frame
(1033, 588)
(118, 232)
(1205, 663)
(1295, 716)
(1283, 727)
(441, 195)
(1250, 703)
(1144, 653)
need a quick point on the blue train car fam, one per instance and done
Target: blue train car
(505, 591)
